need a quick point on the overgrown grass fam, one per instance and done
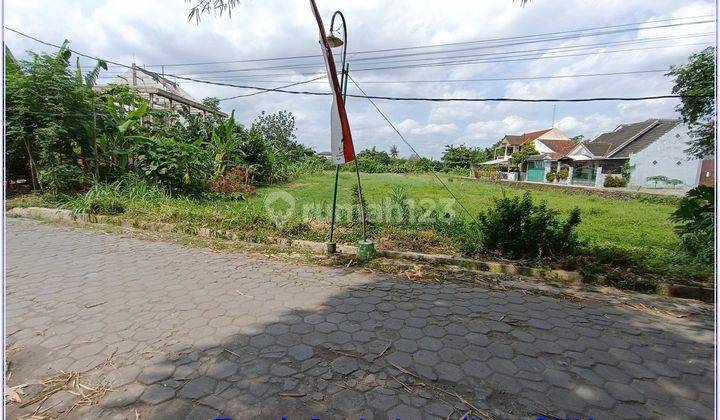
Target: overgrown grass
(625, 235)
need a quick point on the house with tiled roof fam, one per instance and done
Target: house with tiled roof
(542, 140)
(550, 143)
(650, 148)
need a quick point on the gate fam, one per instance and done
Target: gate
(535, 175)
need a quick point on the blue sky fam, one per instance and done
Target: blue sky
(159, 33)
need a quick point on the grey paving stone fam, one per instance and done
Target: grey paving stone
(122, 376)
(624, 392)
(403, 411)
(124, 396)
(157, 393)
(170, 410)
(301, 352)
(448, 372)
(200, 412)
(344, 365)
(173, 319)
(348, 401)
(222, 369)
(198, 388)
(381, 401)
(426, 357)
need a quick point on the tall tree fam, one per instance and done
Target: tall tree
(212, 102)
(394, 153)
(695, 81)
(48, 114)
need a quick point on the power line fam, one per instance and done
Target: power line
(490, 40)
(69, 49)
(423, 99)
(501, 56)
(520, 58)
(279, 87)
(523, 55)
(385, 117)
(545, 34)
(488, 79)
(531, 41)
(393, 98)
(580, 33)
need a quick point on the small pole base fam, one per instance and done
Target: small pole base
(330, 247)
(365, 250)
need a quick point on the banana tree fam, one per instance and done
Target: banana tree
(120, 126)
(224, 146)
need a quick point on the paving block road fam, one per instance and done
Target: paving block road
(157, 330)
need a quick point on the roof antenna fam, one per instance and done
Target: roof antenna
(553, 120)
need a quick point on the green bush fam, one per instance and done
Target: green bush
(657, 179)
(518, 228)
(694, 221)
(178, 166)
(398, 205)
(112, 199)
(107, 206)
(615, 181)
(563, 174)
(64, 178)
(550, 176)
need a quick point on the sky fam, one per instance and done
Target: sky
(158, 35)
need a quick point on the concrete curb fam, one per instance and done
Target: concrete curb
(664, 289)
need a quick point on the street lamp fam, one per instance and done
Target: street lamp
(365, 247)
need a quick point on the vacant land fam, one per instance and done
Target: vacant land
(632, 233)
(633, 222)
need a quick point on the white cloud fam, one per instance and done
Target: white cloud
(159, 32)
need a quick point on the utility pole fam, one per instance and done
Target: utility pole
(365, 247)
(331, 244)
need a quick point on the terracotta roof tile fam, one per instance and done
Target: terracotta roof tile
(559, 148)
(519, 140)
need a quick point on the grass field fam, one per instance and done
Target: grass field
(630, 233)
(635, 223)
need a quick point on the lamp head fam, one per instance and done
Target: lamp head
(334, 41)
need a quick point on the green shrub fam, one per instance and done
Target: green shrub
(550, 176)
(615, 181)
(518, 228)
(563, 174)
(465, 235)
(657, 179)
(112, 199)
(178, 166)
(694, 223)
(64, 178)
(107, 206)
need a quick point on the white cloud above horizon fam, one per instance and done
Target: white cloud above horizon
(151, 33)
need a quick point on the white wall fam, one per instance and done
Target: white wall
(666, 151)
(540, 147)
(554, 134)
